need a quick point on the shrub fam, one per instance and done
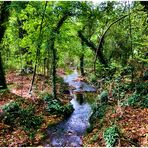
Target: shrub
(93, 78)
(28, 120)
(29, 111)
(134, 99)
(120, 90)
(141, 88)
(104, 97)
(67, 109)
(11, 107)
(145, 76)
(31, 122)
(11, 113)
(111, 136)
(98, 113)
(144, 102)
(15, 115)
(54, 107)
(47, 97)
(101, 111)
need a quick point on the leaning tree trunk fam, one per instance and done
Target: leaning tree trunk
(98, 49)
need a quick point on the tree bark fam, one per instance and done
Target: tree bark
(99, 49)
(99, 53)
(131, 42)
(82, 65)
(2, 75)
(4, 14)
(55, 32)
(38, 50)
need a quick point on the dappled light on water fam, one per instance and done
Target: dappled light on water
(69, 131)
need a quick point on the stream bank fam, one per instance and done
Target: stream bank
(69, 132)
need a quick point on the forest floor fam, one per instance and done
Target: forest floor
(18, 92)
(133, 122)
(133, 125)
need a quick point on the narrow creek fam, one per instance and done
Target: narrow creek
(68, 133)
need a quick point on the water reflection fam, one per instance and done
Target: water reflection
(80, 98)
(69, 132)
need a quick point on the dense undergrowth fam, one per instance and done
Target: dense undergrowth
(25, 120)
(56, 107)
(118, 115)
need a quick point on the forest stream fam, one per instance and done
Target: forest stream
(68, 132)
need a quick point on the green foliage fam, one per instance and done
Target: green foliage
(144, 102)
(11, 113)
(104, 97)
(53, 105)
(137, 99)
(60, 80)
(121, 89)
(29, 120)
(56, 107)
(93, 78)
(14, 115)
(111, 136)
(145, 77)
(134, 99)
(141, 88)
(47, 97)
(11, 107)
(98, 113)
(67, 110)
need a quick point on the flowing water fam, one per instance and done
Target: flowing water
(68, 132)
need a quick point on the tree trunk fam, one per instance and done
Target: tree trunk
(53, 35)
(82, 65)
(2, 77)
(98, 50)
(54, 77)
(38, 49)
(3, 18)
(131, 44)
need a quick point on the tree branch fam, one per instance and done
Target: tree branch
(89, 43)
(101, 41)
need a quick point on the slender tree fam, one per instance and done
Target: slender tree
(38, 48)
(98, 49)
(131, 42)
(52, 38)
(82, 60)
